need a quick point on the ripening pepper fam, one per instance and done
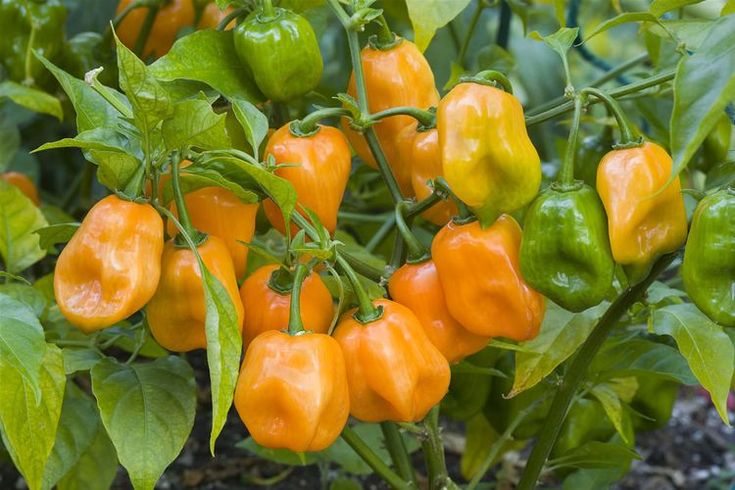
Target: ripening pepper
(281, 51)
(480, 273)
(417, 287)
(644, 219)
(393, 370)
(177, 312)
(111, 266)
(322, 167)
(170, 19)
(565, 254)
(267, 304)
(395, 75)
(716, 144)
(709, 257)
(292, 391)
(487, 157)
(212, 16)
(422, 151)
(22, 182)
(219, 212)
(19, 19)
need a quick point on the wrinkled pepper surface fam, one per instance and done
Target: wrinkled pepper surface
(170, 19)
(111, 266)
(24, 183)
(480, 273)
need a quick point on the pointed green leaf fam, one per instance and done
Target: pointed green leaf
(429, 15)
(194, 123)
(660, 7)
(32, 99)
(22, 344)
(19, 219)
(621, 19)
(254, 123)
(53, 234)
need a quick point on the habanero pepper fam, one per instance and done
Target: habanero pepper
(170, 19)
(280, 49)
(708, 269)
(394, 372)
(111, 266)
(487, 157)
(212, 16)
(266, 303)
(395, 75)
(321, 168)
(177, 311)
(24, 183)
(480, 274)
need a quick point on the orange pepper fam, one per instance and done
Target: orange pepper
(22, 182)
(172, 17)
(417, 287)
(480, 273)
(266, 308)
(111, 266)
(393, 370)
(644, 219)
(177, 312)
(323, 166)
(212, 16)
(292, 391)
(396, 76)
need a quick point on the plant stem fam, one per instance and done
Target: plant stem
(310, 123)
(504, 25)
(382, 232)
(469, 32)
(437, 196)
(425, 118)
(373, 460)
(295, 325)
(416, 250)
(368, 218)
(566, 174)
(627, 135)
(397, 450)
(383, 166)
(366, 312)
(434, 452)
(184, 218)
(145, 30)
(230, 17)
(577, 370)
(268, 9)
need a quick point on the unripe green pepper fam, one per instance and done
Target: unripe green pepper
(282, 52)
(716, 144)
(565, 253)
(589, 153)
(18, 19)
(709, 257)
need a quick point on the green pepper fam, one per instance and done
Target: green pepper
(468, 391)
(565, 252)
(23, 20)
(589, 153)
(716, 145)
(281, 50)
(708, 270)
(654, 400)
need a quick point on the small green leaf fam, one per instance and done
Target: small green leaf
(429, 15)
(640, 356)
(148, 411)
(22, 344)
(254, 123)
(53, 234)
(660, 7)
(560, 41)
(595, 454)
(9, 141)
(76, 360)
(19, 219)
(621, 19)
(194, 123)
(32, 99)
(610, 394)
(96, 467)
(194, 178)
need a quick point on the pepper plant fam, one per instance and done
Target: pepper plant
(371, 218)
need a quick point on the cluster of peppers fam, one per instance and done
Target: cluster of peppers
(388, 359)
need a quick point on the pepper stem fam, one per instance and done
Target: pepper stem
(628, 137)
(134, 188)
(309, 125)
(268, 9)
(426, 118)
(465, 214)
(184, 218)
(490, 77)
(386, 37)
(417, 253)
(367, 312)
(566, 174)
(295, 325)
(145, 30)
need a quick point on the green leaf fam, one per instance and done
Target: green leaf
(29, 424)
(254, 123)
(9, 141)
(728, 8)
(704, 84)
(561, 333)
(26, 294)
(429, 15)
(560, 41)
(640, 356)
(76, 360)
(96, 467)
(660, 292)
(92, 139)
(691, 32)
(194, 123)
(660, 7)
(704, 345)
(621, 19)
(193, 178)
(22, 344)
(610, 394)
(53, 234)
(148, 411)
(19, 219)
(280, 456)
(208, 56)
(32, 99)
(595, 454)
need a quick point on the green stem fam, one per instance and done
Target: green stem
(268, 9)
(361, 267)
(107, 94)
(397, 450)
(577, 370)
(145, 30)
(386, 37)
(470, 31)
(29, 54)
(229, 17)
(367, 218)
(366, 312)
(465, 214)
(382, 232)
(434, 452)
(134, 187)
(627, 135)
(427, 119)
(490, 77)
(566, 174)
(184, 218)
(309, 124)
(416, 251)
(383, 167)
(437, 196)
(373, 460)
(295, 325)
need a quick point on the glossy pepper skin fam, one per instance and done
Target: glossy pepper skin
(171, 17)
(422, 151)
(319, 178)
(393, 370)
(480, 273)
(292, 391)
(24, 183)
(177, 312)
(709, 257)
(219, 212)
(46, 19)
(417, 287)
(395, 76)
(565, 254)
(487, 157)
(282, 53)
(111, 266)
(644, 220)
(266, 308)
